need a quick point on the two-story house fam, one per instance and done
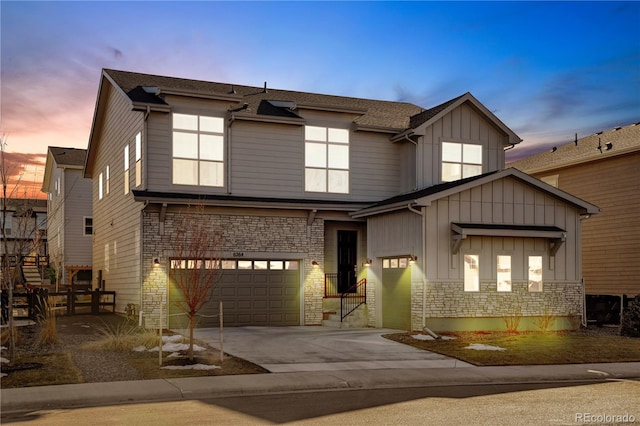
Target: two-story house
(314, 192)
(603, 168)
(69, 210)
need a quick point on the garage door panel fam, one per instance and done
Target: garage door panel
(250, 297)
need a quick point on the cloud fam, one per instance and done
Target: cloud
(24, 174)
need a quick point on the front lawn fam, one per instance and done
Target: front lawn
(529, 348)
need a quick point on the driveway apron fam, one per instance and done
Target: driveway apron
(316, 348)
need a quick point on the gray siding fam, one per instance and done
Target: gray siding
(116, 217)
(77, 247)
(463, 124)
(267, 159)
(505, 201)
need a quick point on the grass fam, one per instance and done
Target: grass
(122, 337)
(531, 348)
(47, 369)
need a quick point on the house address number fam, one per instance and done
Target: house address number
(238, 254)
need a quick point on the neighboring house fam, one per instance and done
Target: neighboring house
(311, 192)
(24, 222)
(603, 168)
(70, 224)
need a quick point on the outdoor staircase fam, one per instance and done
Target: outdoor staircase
(331, 316)
(32, 275)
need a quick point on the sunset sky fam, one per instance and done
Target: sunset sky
(548, 70)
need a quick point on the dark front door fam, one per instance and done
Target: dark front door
(347, 259)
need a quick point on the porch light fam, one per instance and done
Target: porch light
(314, 263)
(413, 259)
(156, 261)
(368, 262)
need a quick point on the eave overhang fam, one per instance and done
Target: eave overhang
(460, 231)
(246, 202)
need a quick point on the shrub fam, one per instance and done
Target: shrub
(631, 319)
(545, 321)
(122, 337)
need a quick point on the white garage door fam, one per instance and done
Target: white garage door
(253, 292)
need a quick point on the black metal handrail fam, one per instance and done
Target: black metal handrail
(352, 298)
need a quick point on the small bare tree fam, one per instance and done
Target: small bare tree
(195, 267)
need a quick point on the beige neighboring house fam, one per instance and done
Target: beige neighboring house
(603, 168)
(70, 224)
(318, 196)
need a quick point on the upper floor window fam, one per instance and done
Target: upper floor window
(460, 160)
(7, 223)
(100, 187)
(88, 226)
(326, 159)
(138, 159)
(198, 150)
(126, 169)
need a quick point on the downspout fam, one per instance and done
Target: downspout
(424, 268)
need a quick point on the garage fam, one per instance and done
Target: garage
(396, 293)
(253, 292)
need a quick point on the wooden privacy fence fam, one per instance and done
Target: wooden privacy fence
(72, 302)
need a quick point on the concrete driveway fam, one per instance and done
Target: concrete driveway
(316, 348)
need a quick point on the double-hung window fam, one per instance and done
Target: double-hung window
(138, 159)
(535, 273)
(503, 268)
(460, 160)
(471, 272)
(126, 169)
(326, 160)
(198, 150)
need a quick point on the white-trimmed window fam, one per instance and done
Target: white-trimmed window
(138, 159)
(460, 160)
(198, 150)
(106, 257)
(126, 169)
(396, 262)
(535, 273)
(87, 229)
(503, 269)
(106, 181)
(471, 272)
(326, 159)
(100, 187)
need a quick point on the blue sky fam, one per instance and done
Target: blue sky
(548, 70)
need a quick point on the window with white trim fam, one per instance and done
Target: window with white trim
(535, 273)
(326, 159)
(126, 169)
(471, 272)
(460, 160)
(87, 226)
(503, 269)
(100, 187)
(198, 150)
(106, 181)
(138, 159)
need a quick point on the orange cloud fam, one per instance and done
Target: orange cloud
(24, 174)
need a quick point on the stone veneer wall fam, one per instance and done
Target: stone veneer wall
(449, 300)
(240, 233)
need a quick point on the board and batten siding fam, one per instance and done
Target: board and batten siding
(116, 217)
(463, 125)
(510, 202)
(610, 239)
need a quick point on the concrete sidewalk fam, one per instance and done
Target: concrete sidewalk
(96, 394)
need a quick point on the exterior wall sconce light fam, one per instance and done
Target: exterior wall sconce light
(156, 261)
(413, 259)
(314, 263)
(368, 262)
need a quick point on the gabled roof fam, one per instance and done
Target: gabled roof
(431, 115)
(425, 197)
(66, 158)
(594, 147)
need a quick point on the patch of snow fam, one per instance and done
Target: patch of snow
(176, 347)
(191, 367)
(139, 349)
(422, 337)
(172, 339)
(3, 360)
(3, 348)
(481, 347)
(3, 374)
(448, 338)
(174, 355)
